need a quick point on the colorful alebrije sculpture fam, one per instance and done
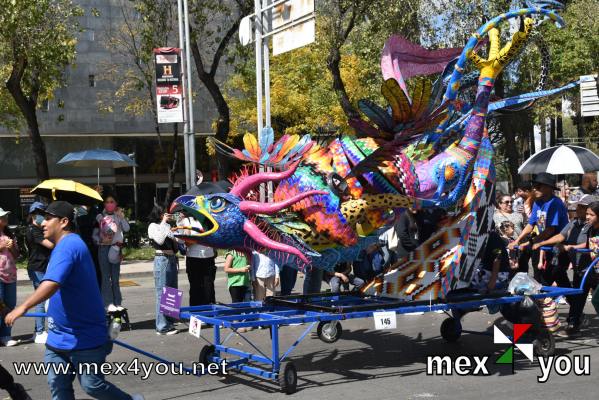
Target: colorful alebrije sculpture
(423, 150)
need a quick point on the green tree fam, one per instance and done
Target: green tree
(311, 89)
(575, 52)
(37, 43)
(146, 25)
(214, 24)
(361, 23)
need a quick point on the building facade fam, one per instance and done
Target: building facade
(73, 121)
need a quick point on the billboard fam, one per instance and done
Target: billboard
(169, 92)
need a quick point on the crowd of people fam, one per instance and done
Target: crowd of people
(74, 257)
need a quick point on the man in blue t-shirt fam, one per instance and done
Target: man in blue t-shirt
(77, 330)
(549, 216)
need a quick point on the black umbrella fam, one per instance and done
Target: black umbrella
(209, 188)
(560, 160)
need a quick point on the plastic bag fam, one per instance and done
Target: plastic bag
(522, 283)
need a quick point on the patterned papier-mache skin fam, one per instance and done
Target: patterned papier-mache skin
(332, 200)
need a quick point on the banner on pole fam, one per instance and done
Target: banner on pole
(169, 93)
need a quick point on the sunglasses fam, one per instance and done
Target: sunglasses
(507, 202)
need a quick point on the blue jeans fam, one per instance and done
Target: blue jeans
(165, 274)
(36, 278)
(313, 280)
(288, 277)
(8, 294)
(91, 381)
(111, 289)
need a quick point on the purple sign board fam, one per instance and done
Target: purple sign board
(170, 302)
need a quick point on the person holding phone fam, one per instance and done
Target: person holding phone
(110, 238)
(165, 263)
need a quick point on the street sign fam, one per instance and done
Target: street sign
(589, 100)
(169, 93)
(295, 20)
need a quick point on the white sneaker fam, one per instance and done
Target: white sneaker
(8, 342)
(562, 300)
(119, 308)
(41, 338)
(137, 396)
(111, 308)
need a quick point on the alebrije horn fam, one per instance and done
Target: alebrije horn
(243, 187)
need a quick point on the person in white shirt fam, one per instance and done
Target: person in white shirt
(200, 268)
(165, 263)
(265, 276)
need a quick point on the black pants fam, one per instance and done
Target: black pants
(201, 273)
(556, 271)
(238, 293)
(578, 302)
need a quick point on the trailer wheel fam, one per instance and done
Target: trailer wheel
(206, 354)
(288, 377)
(451, 329)
(544, 344)
(329, 331)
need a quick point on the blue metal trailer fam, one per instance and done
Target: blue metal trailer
(325, 311)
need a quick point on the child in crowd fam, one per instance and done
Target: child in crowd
(507, 232)
(237, 269)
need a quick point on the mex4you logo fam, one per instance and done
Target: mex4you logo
(579, 365)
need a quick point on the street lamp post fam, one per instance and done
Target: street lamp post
(132, 155)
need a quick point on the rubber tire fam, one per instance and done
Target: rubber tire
(324, 331)
(451, 329)
(288, 377)
(544, 344)
(206, 352)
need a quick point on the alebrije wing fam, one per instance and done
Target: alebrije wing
(266, 139)
(376, 114)
(251, 146)
(397, 99)
(421, 96)
(363, 128)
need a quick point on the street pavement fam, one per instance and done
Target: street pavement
(364, 363)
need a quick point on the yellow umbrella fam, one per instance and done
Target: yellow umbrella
(67, 190)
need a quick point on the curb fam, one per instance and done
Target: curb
(147, 271)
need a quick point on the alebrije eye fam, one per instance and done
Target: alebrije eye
(217, 204)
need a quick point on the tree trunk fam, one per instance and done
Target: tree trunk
(578, 120)
(224, 116)
(28, 108)
(551, 131)
(172, 170)
(531, 135)
(333, 62)
(543, 132)
(509, 134)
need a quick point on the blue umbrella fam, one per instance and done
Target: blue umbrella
(99, 158)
